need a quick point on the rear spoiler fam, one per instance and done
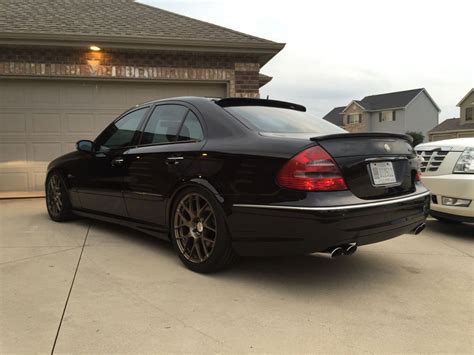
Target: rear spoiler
(364, 135)
(236, 101)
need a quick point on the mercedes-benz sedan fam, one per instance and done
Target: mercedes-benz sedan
(229, 177)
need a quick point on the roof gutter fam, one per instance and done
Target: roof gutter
(264, 50)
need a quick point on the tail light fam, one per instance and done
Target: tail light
(311, 170)
(418, 175)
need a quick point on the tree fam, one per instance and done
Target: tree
(418, 137)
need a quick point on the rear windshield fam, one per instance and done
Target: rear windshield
(282, 120)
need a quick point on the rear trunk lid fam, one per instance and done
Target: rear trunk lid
(374, 165)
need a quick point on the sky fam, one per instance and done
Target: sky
(340, 50)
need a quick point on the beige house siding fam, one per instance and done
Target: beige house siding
(468, 102)
(450, 135)
(363, 126)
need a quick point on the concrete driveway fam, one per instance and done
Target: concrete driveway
(90, 287)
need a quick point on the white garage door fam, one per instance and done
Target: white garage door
(42, 119)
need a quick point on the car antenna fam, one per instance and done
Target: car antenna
(268, 96)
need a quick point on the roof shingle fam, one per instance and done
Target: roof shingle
(389, 100)
(334, 116)
(112, 18)
(451, 124)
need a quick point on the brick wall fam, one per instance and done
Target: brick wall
(239, 72)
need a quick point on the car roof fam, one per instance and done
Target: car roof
(231, 101)
(455, 143)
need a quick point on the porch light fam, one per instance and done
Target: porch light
(94, 48)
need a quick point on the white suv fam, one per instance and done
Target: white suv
(447, 169)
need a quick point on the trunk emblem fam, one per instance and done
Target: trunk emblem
(387, 147)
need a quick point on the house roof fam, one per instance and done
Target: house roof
(263, 79)
(115, 21)
(465, 97)
(451, 124)
(334, 116)
(391, 100)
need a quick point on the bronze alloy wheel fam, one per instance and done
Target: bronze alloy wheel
(54, 197)
(195, 227)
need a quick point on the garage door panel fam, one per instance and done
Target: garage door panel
(43, 119)
(45, 96)
(109, 96)
(69, 147)
(43, 123)
(38, 180)
(14, 181)
(45, 152)
(79, 122)
(13, 152)
(78, 95)
(12, 123)
(12, 95)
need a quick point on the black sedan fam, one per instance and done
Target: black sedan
(222, 178)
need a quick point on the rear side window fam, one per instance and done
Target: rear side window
(281, 120)
(191, 129)
(163, 125)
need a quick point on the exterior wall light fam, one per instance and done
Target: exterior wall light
(94, 48)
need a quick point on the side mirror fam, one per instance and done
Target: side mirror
(85, 146)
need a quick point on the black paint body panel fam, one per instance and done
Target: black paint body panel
(239, 166)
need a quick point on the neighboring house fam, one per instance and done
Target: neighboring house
(68, 68)
(400, 112)
(457, 127)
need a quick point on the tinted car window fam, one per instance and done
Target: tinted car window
(281, 120)
(191, 129)
(163, 125)
(121, 133)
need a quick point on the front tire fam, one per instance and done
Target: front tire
(57, 198)
(199, 232)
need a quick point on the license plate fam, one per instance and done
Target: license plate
(382, 173)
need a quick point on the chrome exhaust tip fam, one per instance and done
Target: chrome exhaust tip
(350, 249)
(336, 252)
(419, 228)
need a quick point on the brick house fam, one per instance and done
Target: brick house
(457, 127)
(67, 68)
(399, 112)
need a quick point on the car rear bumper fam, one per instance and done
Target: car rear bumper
(280, 229)
(452, 185)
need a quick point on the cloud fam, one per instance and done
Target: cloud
(341, 50)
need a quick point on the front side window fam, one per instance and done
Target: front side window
(163, 125)
(354, 118)
(191, 129)
(121, 133)
(469, 114)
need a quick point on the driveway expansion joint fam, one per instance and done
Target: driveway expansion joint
(70, 289)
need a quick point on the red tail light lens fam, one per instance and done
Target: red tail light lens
(418, 175)
(312, 170)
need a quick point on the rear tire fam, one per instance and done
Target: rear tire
(199, 231)
(57, 198)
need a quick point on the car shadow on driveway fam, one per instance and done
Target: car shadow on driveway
(464, 231)
(301, 274)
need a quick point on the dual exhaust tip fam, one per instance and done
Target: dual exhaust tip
(347, 250)
(350, 249)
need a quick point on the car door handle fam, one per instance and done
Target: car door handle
(173, 160)
(117, 161)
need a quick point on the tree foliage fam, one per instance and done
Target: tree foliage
(418, 137)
